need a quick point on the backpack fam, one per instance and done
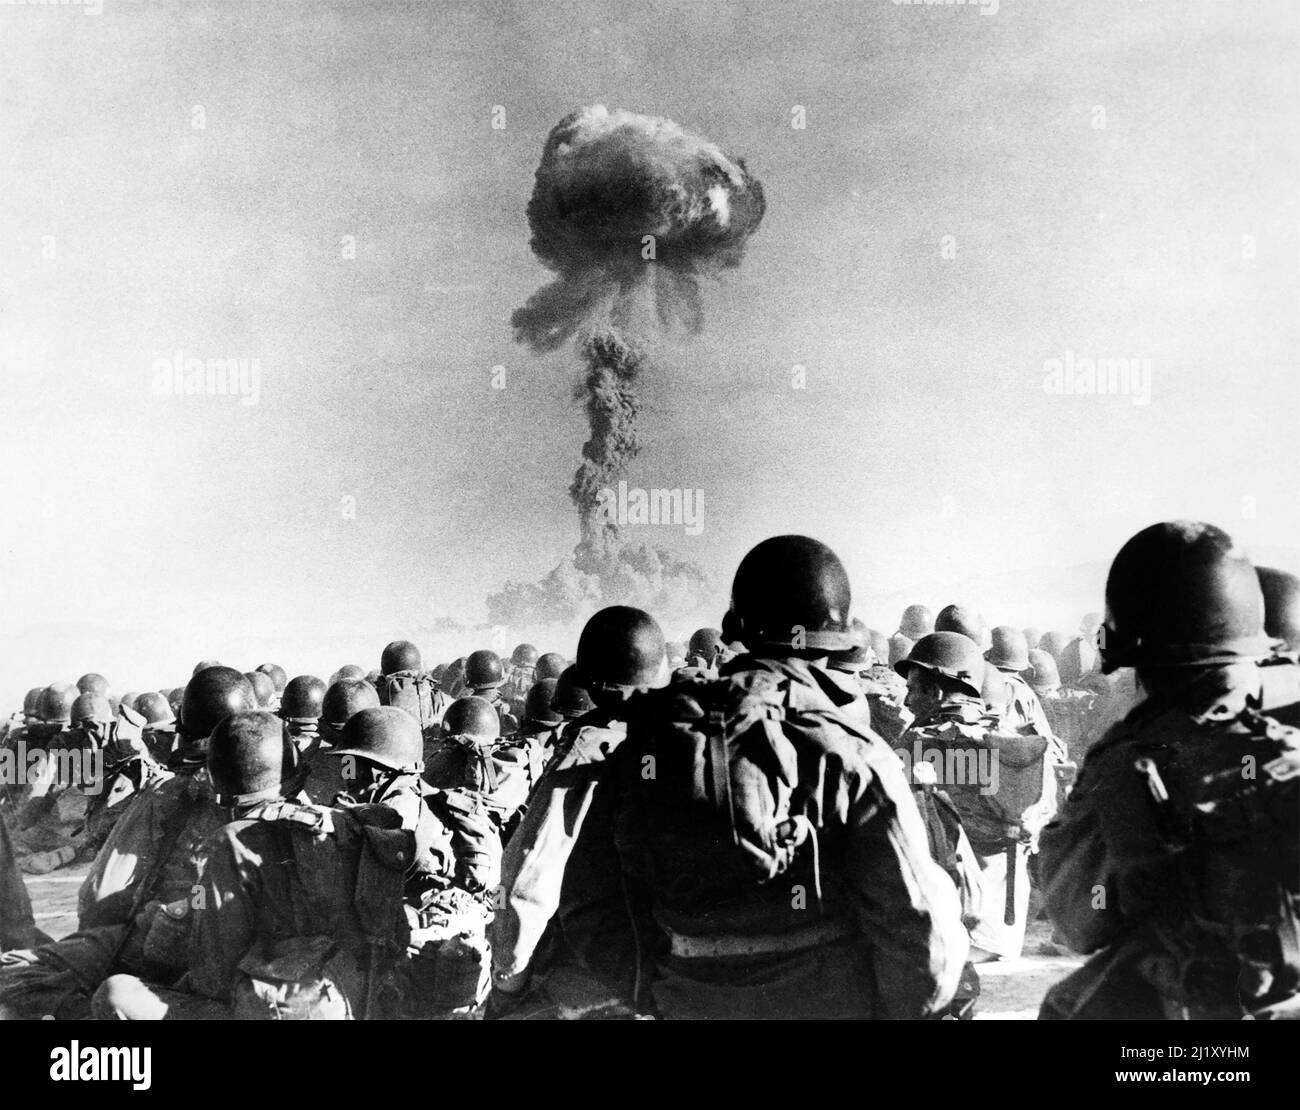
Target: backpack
(342, 973)
(1225, 801)
(417, 693)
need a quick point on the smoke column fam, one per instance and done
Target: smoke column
(628, 212)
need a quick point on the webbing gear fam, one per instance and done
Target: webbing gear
(730, 946)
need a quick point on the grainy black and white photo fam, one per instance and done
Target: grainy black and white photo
(544, 510)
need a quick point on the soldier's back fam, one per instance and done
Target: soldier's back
(744, 815)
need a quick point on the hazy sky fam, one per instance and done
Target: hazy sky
(1118, 179)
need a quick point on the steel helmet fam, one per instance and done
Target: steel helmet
(350, 671)
(384, 735)
(91, 707)
(483, 670)
(1078, 658)
(93, 683)
(373, 677)
(1281, 605)
(1054, 643)
(251, 757)
(620, 648)
(571, 699)
(203, 665)
(549, 665)
(472, 717)
(917, 621)
(879, 644)
(32, 702)
(346, 698)
(453, 677)
(129, 699)
(792, 591)
(303, 698)
(400, 655)
(1089, 624)
(960, 618)
(857, 657)
(949, 654)
(1043, 675)
(276, 673)
(154, 708)
(900, 647)
(1032, 638)
(537, 706)
(175, 697)
(705, 642)
(1182, 594)
(1010, 650)
(263, 687)
(212, 695)
(56, 702)
(524, 655)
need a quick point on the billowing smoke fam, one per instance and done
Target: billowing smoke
(626, 204)
(629, 212)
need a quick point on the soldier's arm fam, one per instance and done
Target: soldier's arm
(224, 926)
(907, 905)
(108, 891)
(1076, 868)
(532, 869)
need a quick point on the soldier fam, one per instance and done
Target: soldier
(1044, 678)
(299, 912)
(1281, 608)
(1053, 643)
(523, 665)
(278, 676)
(456, 864)
(900, 647)
(784, 860)
(404, 684)
(93, 683)
(550, 665)
(133, 905)
(159, 729)
(572, 699)
(1022, 710)
(917, 621)
(55, 813)
(342, 702)
(704, 648)
(129, 769)
(17, 926)
(1175, 859)
(263, 689)
(484, 676)
(300, 709)
(541, 723)
(20, 738)
(1002, 785)
(963, 620)
(1280, 672)
(472, 755)
(562, 942)
(851, 665)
